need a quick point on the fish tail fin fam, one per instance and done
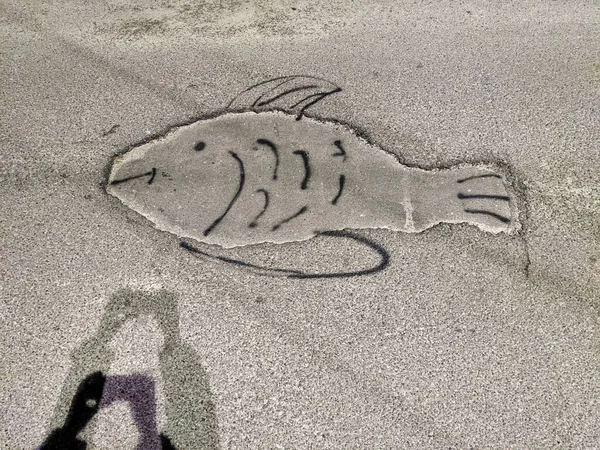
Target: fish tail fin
(478, 195)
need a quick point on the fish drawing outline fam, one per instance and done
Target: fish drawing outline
(262, 171)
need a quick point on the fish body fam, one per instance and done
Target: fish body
(252, 177)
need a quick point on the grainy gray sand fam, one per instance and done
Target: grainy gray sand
(466, 340)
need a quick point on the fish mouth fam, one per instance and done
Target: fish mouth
(151, 174)
(241, 183)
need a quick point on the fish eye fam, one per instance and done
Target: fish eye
(199, 146)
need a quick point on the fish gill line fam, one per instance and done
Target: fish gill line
(235, 197)
(273, 148)
(304, 156)
(254, 223)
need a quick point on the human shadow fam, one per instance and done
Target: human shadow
(191, 421)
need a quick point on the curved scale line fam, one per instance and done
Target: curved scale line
(340, 189)
(153, 174)
(292, 217)
(304, 156)
(254, 223)
(235, 197)
(273, 148)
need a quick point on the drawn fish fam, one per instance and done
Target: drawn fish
(263, 172)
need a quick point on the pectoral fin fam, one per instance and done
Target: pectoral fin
(292, 94)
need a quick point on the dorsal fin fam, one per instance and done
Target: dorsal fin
(293, 94)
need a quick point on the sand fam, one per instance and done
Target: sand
(466, 339)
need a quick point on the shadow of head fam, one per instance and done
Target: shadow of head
(128, 304)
